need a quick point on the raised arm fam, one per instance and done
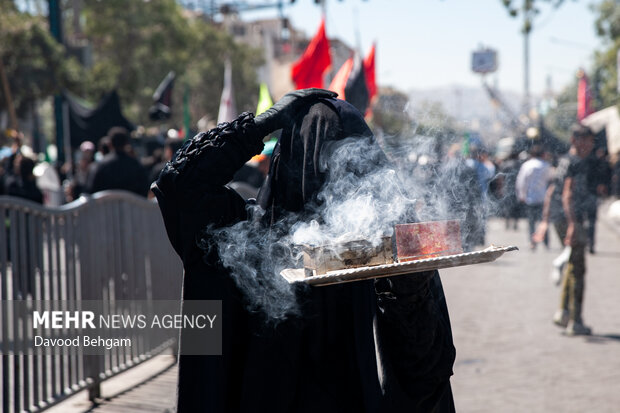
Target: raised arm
(191, 189)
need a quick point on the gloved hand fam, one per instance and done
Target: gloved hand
(285, 109)
(405, 287)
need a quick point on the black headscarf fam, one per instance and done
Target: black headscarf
(296, 176)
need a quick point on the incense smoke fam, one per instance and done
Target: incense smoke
(363, 197)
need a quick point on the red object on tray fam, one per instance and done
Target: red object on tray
(427, 240)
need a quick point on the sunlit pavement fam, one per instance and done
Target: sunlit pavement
(510, 357)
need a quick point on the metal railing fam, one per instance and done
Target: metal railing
(111, 246)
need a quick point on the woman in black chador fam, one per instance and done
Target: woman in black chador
(367, 346)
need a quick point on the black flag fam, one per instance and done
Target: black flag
(350, 83)
(92, 123)
(356, 91)
(162, 99)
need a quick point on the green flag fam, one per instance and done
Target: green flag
(264, 99)
(466, 142)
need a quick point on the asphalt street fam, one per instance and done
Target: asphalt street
(510, 357)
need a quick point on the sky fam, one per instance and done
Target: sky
(426, 44)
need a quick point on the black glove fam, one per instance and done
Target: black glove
(285, 109)
(405, 287)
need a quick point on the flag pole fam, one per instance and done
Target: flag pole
(358, 35)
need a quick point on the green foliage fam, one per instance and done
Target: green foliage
(204, 73)
(135, 44)
(34, 62)
(528, 9)
(608, 20)
(605, 66)
(603, 75)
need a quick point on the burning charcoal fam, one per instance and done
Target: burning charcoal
(427, 240)
(352, 254)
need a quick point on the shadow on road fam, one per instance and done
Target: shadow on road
(603, 338)
(608, 254)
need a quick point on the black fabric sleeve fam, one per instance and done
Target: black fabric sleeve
(191, 189)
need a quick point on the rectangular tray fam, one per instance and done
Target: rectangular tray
(295, 275)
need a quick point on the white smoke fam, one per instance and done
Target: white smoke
(362, 199)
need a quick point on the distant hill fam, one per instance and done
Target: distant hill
(471, 107)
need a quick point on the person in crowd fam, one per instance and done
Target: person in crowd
(118, 170)
(103, 148)
(362, 346)
(254, 171)
(531, 186)
(484, 171)
(614, 184)
(509, 204)
(599, 178)
(570, 189)
(23, 183)
(457, 189)
(86, 158)
(7, 162)
(170, 147)
(250, 177)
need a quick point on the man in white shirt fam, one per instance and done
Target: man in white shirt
(531, 186)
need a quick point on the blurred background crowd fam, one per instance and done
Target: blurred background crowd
(99, 95)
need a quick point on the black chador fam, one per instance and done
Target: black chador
(357, 347)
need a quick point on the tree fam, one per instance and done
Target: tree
(135, 44)
(35, 64)
(605, 77)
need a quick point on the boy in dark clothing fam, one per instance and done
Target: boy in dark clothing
(118, 169)
(570, 189)
(23, 184)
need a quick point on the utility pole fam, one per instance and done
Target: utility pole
(528, 11)
(55, 21)
(526, 72)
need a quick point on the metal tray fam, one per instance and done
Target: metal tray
(295, 275)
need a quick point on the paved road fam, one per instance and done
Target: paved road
(510, 357)
(148, 388)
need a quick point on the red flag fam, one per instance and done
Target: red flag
(584, 98)
(308, 70)
(369, 71)
(339, 82)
